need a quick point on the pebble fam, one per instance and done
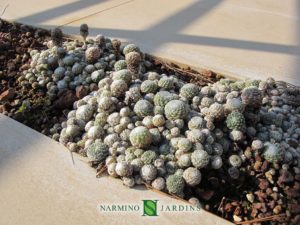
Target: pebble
(250, 197)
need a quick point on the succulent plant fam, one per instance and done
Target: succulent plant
(235, 121)
(123, 74)
(216, 111)
(92, 54)
(192, 176)
(184, 144)
(257, 145)
(95, 132)
(200, 159)
(97, 152)
(84, 112)
(149, 86)
(252, 97)
(235, 161)
(111, 169)
(175, 184)
(148, 157)
(128, 181)
(100, 40)
(57, 36)
(163, 97)
(143, 108)
(118, 88)
(273, 152)
(120, 65)
(176, 109)
(195, 135)
(234, 172)
(133, 60)
(189, 91)
(159, 183)
(84, 31)
(234, 104)
(116, 44)
(140, 137)
(148, 172)
(124, 169)
(184, 161)
(130, 48)
(196, 122)
(166, 83)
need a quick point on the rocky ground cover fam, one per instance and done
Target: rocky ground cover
(231, 147)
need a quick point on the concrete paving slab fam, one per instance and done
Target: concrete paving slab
(39, 184)
(250, 38)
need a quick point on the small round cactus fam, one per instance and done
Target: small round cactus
(158, 120)
(175, 184)
(192, 176)
(216, 162)
(195, 135)
(273, 152)
(163, 97)
(128, 181)
(92, 54)
(184, 161)
(143, 108)
(234, 104)
(252, 96)
(57, 36)
(200, 159)
(97, 152)
(257, 145)
(130, 48)
(133, 60)
(166, 83)
(84, 112)
(95, 132)
(123, 74)
(235, 161)
(72, 130)
(118, 88)
(159, 183)
(140, 137)
(111, 169)
(148, 157)
(184, 144)
(235, 121)
(234, 173)
(84, 31)
(120, 65)
(148, 172)
(189, 91)
(124, 169)
(216, 111)
(149, 86)
(196, 122)
(176, 109)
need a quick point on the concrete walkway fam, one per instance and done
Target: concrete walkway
(39, 184)
(249, 38)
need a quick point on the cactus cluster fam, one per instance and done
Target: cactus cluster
(157, 128)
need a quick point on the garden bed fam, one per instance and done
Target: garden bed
(252, 142)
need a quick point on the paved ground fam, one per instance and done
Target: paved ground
(40, 185)
(249, 38)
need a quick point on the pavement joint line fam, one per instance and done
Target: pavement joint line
(95, 13)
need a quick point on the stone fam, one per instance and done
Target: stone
(7, 95)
